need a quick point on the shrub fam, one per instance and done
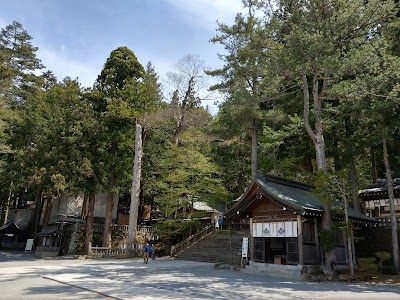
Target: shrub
(388, 270)
(383, 256)
(368, 264)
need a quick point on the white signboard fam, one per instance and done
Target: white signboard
(29, 245)
(275, 229)
(245, 247)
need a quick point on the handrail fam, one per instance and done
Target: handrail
(178, 248)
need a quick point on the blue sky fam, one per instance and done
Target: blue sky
(75, 37)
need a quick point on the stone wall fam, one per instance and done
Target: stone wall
(74, 237)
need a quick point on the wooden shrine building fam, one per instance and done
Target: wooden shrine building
(284, 220)
(375, 201)
(49, 243)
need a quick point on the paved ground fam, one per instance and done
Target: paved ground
(24, 277)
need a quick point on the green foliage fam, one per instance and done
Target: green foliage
(327, 239)
(332, 186)
(53, 140)
(18, 62)
(57, 137)
(120, 67)
(187, 174)
(123, 92)
(176, 231)
(368, 264)
(383, 257)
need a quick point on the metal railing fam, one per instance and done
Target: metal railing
(178, 248)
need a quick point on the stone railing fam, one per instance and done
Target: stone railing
(108, 252)
(105, 252)
(178, 248)
(47, 249)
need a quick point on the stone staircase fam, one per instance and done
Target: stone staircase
(217, 247)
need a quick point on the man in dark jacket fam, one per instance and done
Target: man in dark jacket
(146, 253)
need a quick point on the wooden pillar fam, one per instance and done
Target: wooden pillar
(316, 239)
(300, 239)
(251, 240)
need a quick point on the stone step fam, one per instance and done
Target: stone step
(215, 248)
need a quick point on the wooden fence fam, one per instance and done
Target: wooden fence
(13, 246)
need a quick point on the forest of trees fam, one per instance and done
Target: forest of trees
(311, 88)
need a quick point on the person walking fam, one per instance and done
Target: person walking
(216, 223)
(146, 253)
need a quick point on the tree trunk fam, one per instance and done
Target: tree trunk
(6, 205)
(307, 163)
(317, 137)
(354, 184)
(133, 211)
(393, 218)
(254, 146)
(89, 222)
(349, 238)
(329, 256)
(38, 212)
(352, 164)
(374, 172)
(108, 215)
(240, 184)
(85, 206)
(47, 212)
(183, 108)
(32, 219)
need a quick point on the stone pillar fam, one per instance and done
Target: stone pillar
(300, 239)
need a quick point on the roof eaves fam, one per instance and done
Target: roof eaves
(291, 206)
(288, 203)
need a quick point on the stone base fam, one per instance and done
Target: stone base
(45, 254)
(296, 272)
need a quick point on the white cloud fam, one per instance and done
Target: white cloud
(3, 23)
(61, 66)
(207, 12)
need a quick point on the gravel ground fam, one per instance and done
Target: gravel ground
(24, 277)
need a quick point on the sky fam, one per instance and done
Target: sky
(75, 37)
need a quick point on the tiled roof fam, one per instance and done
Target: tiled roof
(295, 196)
(292, 196)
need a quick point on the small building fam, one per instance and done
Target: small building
(49, 242)
(375, 200)
(285, 220)
(69, 208)
(12, 237)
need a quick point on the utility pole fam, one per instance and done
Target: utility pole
(133, 211)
